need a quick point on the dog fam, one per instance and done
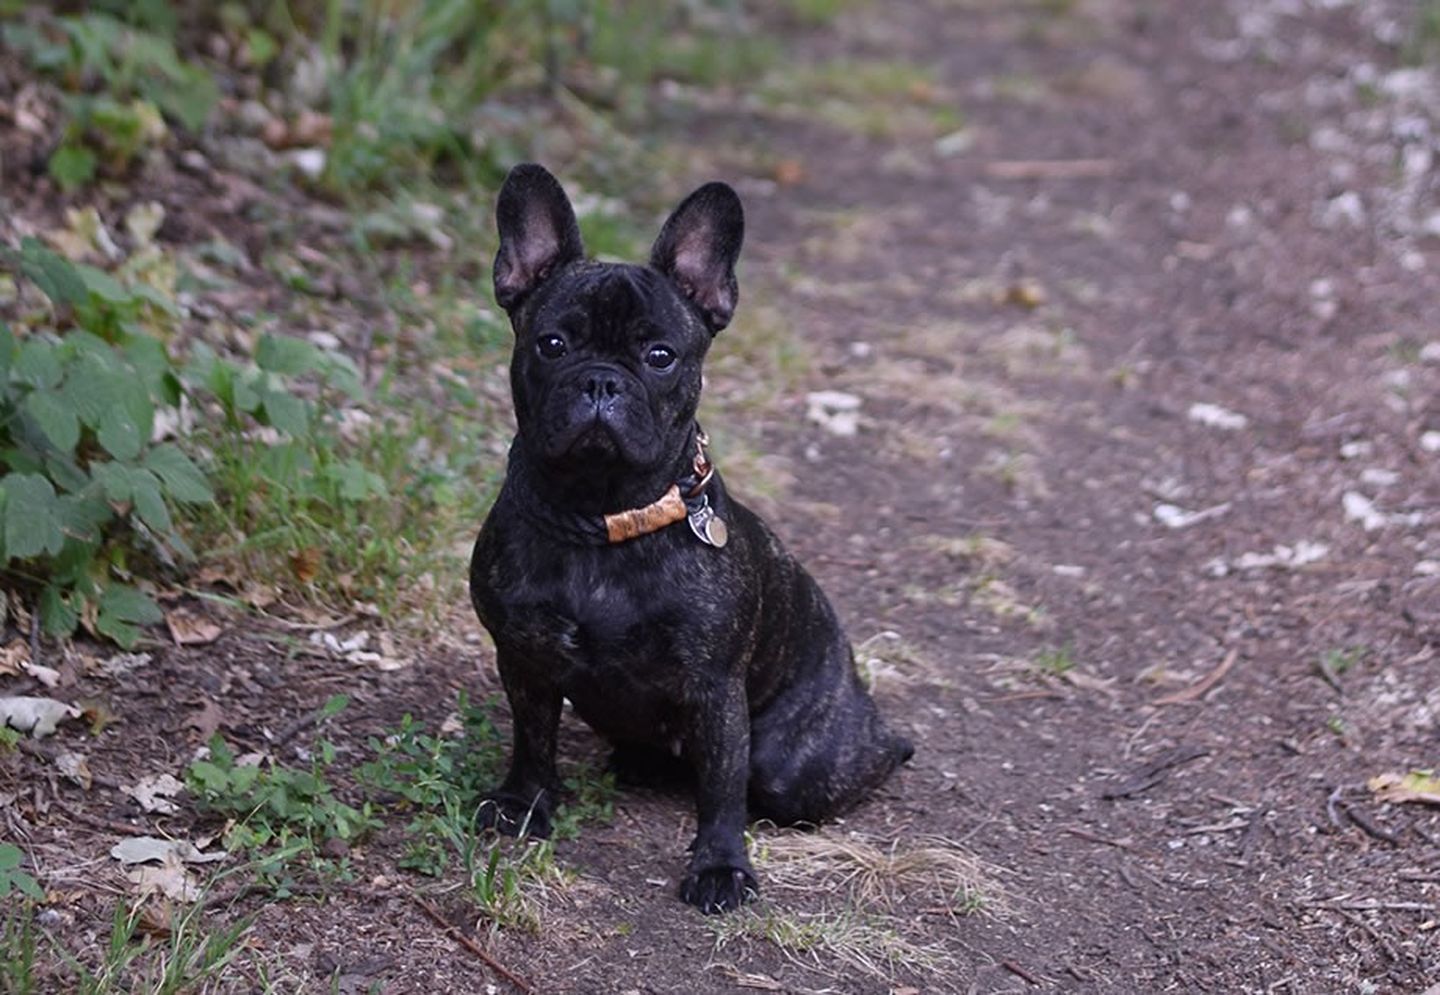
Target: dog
(615, 569)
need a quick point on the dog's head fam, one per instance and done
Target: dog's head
(606, 368)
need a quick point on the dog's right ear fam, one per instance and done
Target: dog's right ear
(538, 233)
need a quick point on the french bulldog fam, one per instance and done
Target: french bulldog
(615, 569)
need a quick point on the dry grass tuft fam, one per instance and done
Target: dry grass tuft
(933, 870)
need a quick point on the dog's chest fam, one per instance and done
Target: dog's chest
(596, 634)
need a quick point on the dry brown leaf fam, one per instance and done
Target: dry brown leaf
(305, 564)
(1416, 786)
(74, 766)
(14, 658)
(206, 720)
(789, 172)
(188, 628)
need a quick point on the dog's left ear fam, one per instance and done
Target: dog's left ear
(698, 247)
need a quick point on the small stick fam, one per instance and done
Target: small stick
(470, 945)
(1015, 968)
(1153, 773)
(1051, 169)
(1093, 838)
(1366, 826)
(1198, 689)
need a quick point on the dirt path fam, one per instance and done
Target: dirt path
(1150, 212)
(1150, 653)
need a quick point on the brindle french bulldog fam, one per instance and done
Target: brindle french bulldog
(617, 571)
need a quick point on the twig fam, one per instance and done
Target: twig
(1016, 969)
(1051, 169)
(1332, 807)
(470, 945)
(35, 637)
(96, 822)
(1198, 689)
(1374, 906)
(298, 726)
(1327, 672)
(1154, 772)
(1093, 838)
(1369, 828)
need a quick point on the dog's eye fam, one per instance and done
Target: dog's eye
(660, 357)
(551, 346)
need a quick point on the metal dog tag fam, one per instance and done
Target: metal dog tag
(708, 527)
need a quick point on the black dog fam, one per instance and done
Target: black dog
(616, 571)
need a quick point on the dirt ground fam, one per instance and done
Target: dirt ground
(1151, 654)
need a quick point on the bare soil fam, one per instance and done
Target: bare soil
(1159, 747)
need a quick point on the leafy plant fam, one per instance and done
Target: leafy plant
(84, 484)
(13, 880)
(274, 805)
(141, 78)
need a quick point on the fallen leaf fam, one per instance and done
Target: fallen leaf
(189, 628)
(170, 879)
(144, 849)
(1027, 294)
(73, 766)
(48, 676)
(155, 793)
(142, 222)
(97, 713)
(206, 720)
(37, 716)
(305, 564)
(123, 663)
(1416, 786)
(14, 658)
(789, 172)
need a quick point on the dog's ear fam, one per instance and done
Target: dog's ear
(538, 233)
(698, 247)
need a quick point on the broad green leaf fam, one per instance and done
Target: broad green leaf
(55, 417)
(356, 482)
(7, 351)
(56, 612)
(122, 609)
(31, 526)
(126, 426)
(286, 412)
(103, 285)
(72, 166)
(81, 516)
(53, 274)
(115, 480)
(149, 503)
(37, 364)
(183, 479)
(91, 389)
(65, 473)
(282, 354)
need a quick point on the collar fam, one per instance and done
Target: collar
(686, 498)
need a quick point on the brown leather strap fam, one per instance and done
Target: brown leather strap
(638, 521)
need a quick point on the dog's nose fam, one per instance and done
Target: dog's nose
(601, 384)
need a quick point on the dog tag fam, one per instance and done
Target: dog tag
(709, 527)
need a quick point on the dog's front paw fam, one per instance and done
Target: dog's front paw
(513, 815)
(719, 889)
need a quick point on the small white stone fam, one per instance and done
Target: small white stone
(1356, 449)
(1430, 442)
(311, 162)
(1216, 417)
(1378, 477)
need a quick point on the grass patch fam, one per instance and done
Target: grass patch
(838, 944)
(934, 871)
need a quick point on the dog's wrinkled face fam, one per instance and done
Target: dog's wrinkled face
(606, 368)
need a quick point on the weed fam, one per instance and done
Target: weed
(1423, 43)
(13, 880)
(1055, 660)
(142, 79)
(276, 808)
(1338, 660)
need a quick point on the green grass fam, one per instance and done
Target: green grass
(148, 949)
